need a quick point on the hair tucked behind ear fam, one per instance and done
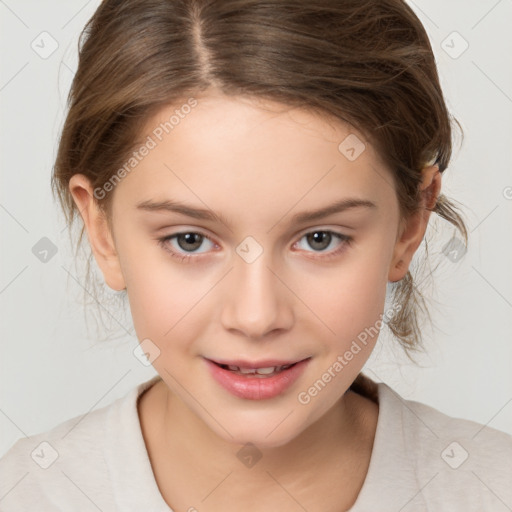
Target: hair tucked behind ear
(367, 63)
(405, 324)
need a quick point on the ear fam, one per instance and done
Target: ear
(98, 232)
(412, 231)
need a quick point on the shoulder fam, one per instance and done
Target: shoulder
(458, 464)
(426, 427)
(66, 465)
(54, 466)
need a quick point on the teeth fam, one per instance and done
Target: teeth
(246, 370)
(268, 371)
(260, 371)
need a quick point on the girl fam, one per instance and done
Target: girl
(297, 148)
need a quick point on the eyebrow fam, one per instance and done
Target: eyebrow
(205, 214)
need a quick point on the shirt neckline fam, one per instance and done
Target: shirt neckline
(133, 482)
(391, 473)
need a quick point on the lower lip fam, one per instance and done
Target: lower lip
(256, 388)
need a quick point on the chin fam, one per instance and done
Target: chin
(271, 432)
(261, 440)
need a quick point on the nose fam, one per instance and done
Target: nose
(257, 302)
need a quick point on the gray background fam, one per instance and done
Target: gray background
(52, 366)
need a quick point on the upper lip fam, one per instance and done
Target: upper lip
(265, 363)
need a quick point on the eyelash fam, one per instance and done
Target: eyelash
(186, 258)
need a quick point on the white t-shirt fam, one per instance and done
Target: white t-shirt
(422, 460)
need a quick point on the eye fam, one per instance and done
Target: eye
(185, 241)
(322, 239)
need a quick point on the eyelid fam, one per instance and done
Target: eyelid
(185, 229)
(325, 227)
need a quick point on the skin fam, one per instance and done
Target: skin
(256, 163)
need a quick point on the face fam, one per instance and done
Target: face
(222, 265)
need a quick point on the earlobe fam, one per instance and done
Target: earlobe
(98, 232)
(413, 230)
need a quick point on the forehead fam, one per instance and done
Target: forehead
(251, 152)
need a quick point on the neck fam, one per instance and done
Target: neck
(189, 459)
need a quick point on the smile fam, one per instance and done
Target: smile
(253, 382)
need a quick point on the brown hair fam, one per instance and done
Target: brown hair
(368, 63)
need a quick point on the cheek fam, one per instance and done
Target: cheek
(163, 296)
(163, 307)
(347, 299)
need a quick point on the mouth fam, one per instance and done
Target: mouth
(256, 380)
